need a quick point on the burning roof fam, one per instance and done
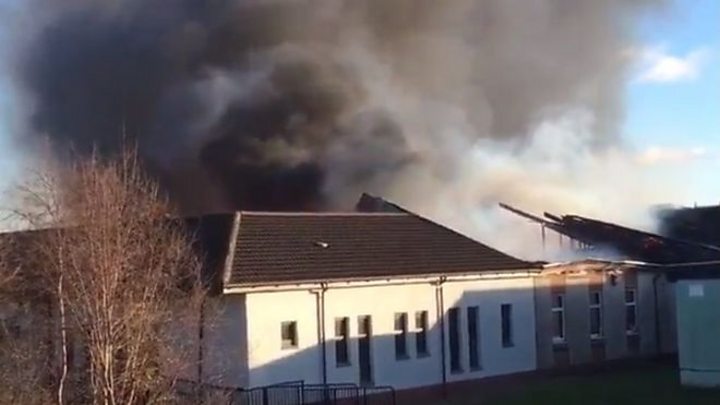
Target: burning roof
(627, 242)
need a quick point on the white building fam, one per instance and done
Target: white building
(365, 298)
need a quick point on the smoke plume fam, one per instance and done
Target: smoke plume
(445, 106)
(298, 104)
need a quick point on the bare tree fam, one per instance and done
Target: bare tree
(124, 277)
(22, 355)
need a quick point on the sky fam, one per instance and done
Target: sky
(673, 97)
(672, 117)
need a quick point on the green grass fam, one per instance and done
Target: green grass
(656, 387)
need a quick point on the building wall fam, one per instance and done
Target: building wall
(698, 322)
(225, 355)
(543, 320)
(646, 314)
(616, 343)
(268, 363)
(577, 319)
(668, 316)
(382, 303)
(614, 315)
(488, 296)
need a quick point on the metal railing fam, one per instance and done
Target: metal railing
(293, 393)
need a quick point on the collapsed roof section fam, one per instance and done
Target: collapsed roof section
(623, 242)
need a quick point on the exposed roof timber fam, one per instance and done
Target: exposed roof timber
(628, 242)
(524, 214)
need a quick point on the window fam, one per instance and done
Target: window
(401, 336)
(630, 311)
(288, 335)
(596, 319)
(454, 329)
(506, 320)
(558, 315)
(473, 341)
(421, 326)
(364, 352)
(364, 326)
(342, 334)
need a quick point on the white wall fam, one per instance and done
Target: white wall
(381, 303)
(488, 295)
(268, 363)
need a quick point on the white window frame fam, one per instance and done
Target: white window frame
(632, 304)
(599, 307)
(558, 309)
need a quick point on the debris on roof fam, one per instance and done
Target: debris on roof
(371, 203)
(629, 243)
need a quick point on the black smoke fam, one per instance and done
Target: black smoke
(275, 104)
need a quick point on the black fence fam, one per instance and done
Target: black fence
(290, 393)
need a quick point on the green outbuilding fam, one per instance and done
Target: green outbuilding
(697, 294)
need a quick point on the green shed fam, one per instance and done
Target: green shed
(697, 292)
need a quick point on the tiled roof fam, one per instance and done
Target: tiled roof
(282, 248)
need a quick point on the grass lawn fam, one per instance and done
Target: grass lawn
(639, 387)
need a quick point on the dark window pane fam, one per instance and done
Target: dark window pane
(473, 349)
(558, 301)
(342, 333)
(596, 314)
(421, 325)
(558, 325)
(506, 318)
(630, 325)
(401, 335)
(454, 334)
(288, 334)
(629, 295)
(364, 328)
(595, 322)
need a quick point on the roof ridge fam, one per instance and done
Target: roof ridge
(325, 214)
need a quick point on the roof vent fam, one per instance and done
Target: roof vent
(322, 244)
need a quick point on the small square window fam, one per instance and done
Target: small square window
(630, 295)
(288, 335)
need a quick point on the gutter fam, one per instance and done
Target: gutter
(371, 282)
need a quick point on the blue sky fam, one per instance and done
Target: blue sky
(672, 99)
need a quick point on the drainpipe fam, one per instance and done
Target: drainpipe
(440, 307)
(658, 335)
(320, 319)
